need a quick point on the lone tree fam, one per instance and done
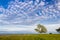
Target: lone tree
(58, 30)
(41, 29)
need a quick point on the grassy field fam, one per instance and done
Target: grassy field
(30, 37)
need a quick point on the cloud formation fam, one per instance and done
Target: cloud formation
(25, 13)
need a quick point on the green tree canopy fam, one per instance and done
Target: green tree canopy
(41, 29)
(58, 30)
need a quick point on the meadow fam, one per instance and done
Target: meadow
(30, 37)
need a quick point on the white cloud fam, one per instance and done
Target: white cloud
(16, 28)
(58, 5)
(52, 27)
(42, 3)
(13, 29)
(26, 13)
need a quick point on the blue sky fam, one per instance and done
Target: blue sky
(5, 3)
(28, 13)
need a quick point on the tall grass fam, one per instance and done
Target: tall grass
(30, 37)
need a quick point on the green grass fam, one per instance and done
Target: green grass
(30, 37)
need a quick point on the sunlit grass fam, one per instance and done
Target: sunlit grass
(30, 37)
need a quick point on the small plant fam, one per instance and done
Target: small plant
(50, 33)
